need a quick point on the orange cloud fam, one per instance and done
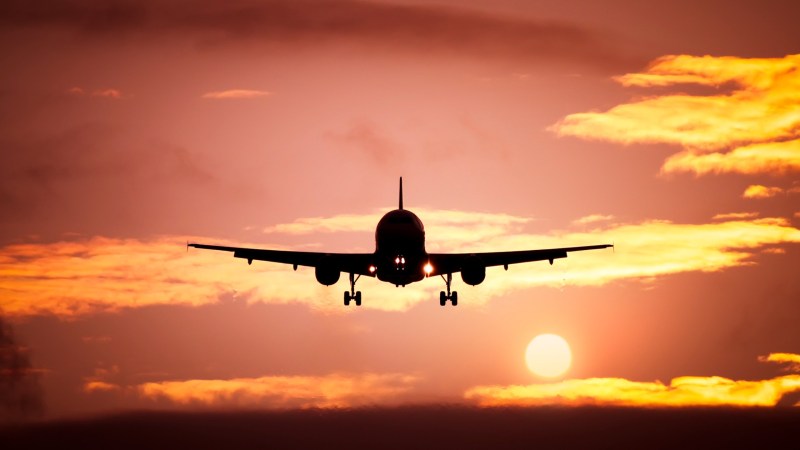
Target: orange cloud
(790, 359)
(330, 391)
(773, 157)
(751, 129)
(108, 93)
(235, 93)
(106, 275)
(735, 216)
(759, 191)
(681, 391)
(99, 386)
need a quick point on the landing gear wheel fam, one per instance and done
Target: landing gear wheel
(352, 295)
(445, 296)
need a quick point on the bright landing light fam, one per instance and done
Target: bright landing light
(428, 268)
(548, 355)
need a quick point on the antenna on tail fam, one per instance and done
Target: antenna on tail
(401, 193)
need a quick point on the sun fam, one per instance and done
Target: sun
(548, 356)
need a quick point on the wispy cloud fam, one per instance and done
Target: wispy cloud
(99, 386)
(680, 392)
(751, 129)
(114, 94)
(418, 28)
(103, 275)
(110, 93)
(736, 216)
(593, 218)
(235, 94)
(759, 191)
(329, 391)
(791, 360)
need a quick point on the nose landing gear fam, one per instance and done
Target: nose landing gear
(444, 297)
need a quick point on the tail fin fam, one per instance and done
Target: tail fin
(401, 193)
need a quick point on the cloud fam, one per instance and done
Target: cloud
(99, 274)
(455, 225)
(773, 158)
(236, 94)
(759, 191)
(791, 360)
(593, 218)
(283, 392)
(680, 392)
(752, 128)
(370, 140)
(416, 28)
(99, 386)
(736, 216)
(114, 94)
(111, 93)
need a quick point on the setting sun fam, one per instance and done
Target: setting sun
(548, 355)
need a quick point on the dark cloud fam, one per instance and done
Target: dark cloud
(421, 29)
(369, 139)
(20, 391)
(89, 171)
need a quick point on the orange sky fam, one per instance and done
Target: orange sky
(670, 130)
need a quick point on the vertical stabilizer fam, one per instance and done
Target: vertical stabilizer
(401, 193)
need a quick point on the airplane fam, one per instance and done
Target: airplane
(399, 258)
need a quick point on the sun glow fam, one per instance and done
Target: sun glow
(548, 355)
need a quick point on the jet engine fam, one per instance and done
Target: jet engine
(326, 271)
(473, 271)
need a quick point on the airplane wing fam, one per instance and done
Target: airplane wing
(356, 263)
(444, 263)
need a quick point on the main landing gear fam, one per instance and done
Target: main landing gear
(443, 298)
(352, 295)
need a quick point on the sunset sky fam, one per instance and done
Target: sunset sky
(127, 128)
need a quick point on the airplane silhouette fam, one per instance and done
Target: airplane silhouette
(399, 258)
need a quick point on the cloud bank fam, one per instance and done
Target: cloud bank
(417, 28)
(680, 392)
(283, 392)
(751, 128)
(105, 275)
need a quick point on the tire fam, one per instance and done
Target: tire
(346, 298)
(358, 298)
(442, 299)
(454, 298)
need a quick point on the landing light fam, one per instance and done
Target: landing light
(428, 268)
(397, 260)
(372, 269)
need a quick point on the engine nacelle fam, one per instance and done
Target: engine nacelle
(326, 271)
(473, 271)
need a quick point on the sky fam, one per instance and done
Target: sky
(669, 129)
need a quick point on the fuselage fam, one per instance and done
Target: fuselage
(400, 256)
